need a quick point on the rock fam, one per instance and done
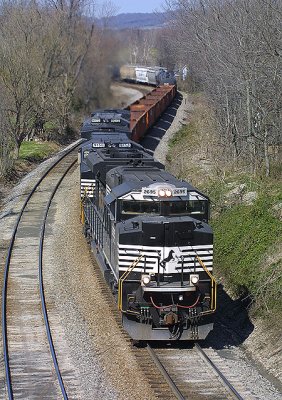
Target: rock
(235, 195)
(237, 191)
(277, 211)
(249, 198)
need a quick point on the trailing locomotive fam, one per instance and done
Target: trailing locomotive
(104, 128)
(151, 237)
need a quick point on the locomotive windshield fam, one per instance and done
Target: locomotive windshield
(140, 207)
(189, 207)
(197, 209)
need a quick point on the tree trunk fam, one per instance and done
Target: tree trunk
(16, 150)
(266, 154)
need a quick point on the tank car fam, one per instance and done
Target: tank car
(152, 239)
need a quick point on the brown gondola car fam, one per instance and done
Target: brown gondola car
(145, 111)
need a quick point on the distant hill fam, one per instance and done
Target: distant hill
(137, 20)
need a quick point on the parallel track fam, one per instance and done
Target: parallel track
(192, 374)
(27, 341)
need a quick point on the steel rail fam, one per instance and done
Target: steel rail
(7, 265)
(42, 295)
(225, 381)
(165, 374)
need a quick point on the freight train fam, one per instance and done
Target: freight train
(150, 233)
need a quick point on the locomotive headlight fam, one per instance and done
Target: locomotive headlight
(165, 192)
(145, 280)
(194, 279)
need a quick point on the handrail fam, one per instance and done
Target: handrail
(122, 279)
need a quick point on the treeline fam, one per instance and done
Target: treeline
(53, 62)
(233, 50)
(148, 47)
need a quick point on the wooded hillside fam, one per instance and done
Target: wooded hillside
(233, 50)
(53, 61)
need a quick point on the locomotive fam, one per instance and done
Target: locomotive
(150, 233)
(113, 126)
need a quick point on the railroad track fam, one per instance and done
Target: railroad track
(31, 367)
(178, 372)
(194, 373)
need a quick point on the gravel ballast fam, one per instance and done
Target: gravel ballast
(94, 349)
(104, 363)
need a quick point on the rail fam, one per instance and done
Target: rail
(186, 391)
(224, 380)
(7, 265)
(42, 296)
(165, 374)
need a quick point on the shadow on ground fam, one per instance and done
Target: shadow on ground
(155, 134)
(232, 325)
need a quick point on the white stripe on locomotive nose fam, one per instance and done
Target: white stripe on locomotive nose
(178, 265)
(155, 270)
(182, 248)
(203, 254)
(87, 186)
(185, 264)
(122, 257)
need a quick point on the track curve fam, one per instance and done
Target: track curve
(29, 372)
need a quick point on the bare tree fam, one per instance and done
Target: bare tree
(235, 47)
(43, 52)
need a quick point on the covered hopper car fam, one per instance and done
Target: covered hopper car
(147, 75)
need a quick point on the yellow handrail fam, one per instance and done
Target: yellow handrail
(122, 279)
(213, 286)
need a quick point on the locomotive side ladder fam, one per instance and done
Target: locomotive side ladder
(122, 279)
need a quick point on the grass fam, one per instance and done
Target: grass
(247, 237)
(184, 134)
(244, 235)
(37, 151)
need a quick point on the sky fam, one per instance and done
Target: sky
(133, 6)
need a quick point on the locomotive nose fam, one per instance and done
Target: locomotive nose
(168, 234)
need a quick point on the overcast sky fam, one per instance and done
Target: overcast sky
(132, 6)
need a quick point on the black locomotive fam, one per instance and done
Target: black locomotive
(150, 234)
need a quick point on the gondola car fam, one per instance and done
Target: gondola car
(152, 239)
